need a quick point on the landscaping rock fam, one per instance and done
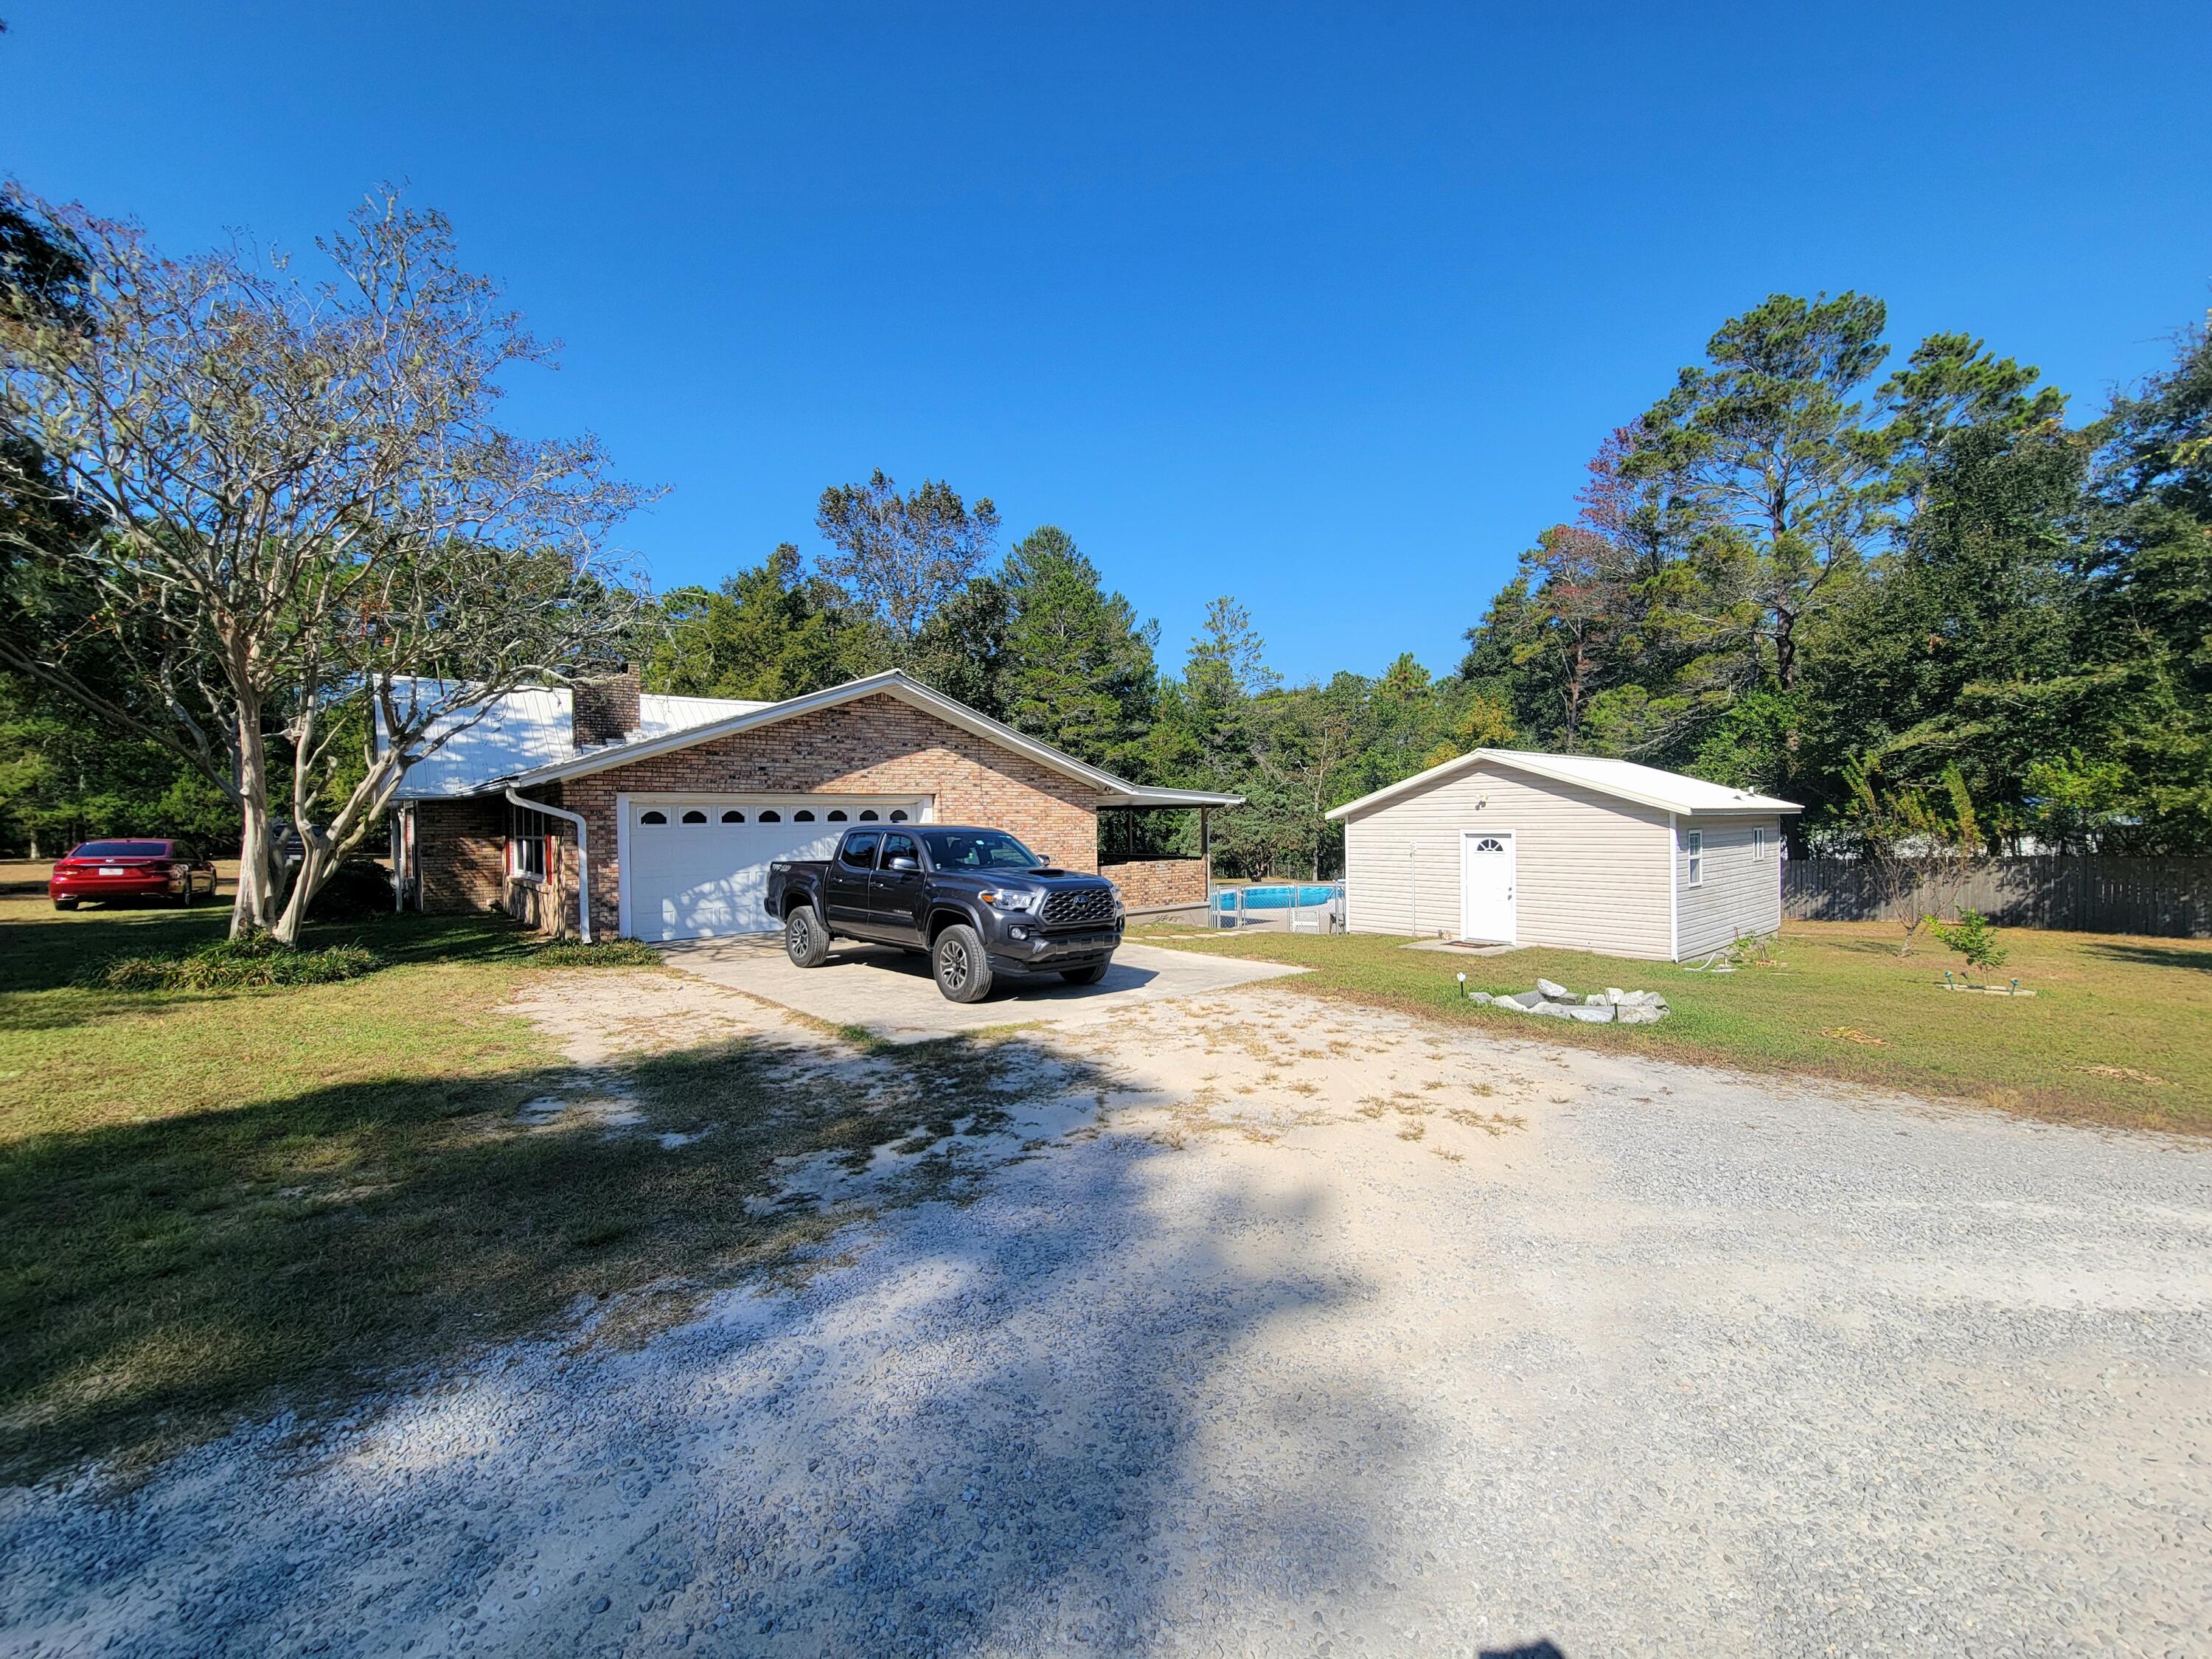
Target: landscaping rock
(1637, 1014)
(1552, 993)
(1600, 1014)
(1615, 995)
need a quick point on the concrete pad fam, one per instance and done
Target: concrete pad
(889, 992)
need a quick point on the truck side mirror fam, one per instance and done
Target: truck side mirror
(901, 862)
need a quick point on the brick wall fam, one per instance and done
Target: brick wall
(462, 846)
(463, 860)
(1158, 884)
(877, 746)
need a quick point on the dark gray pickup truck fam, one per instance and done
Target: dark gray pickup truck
(978, 901)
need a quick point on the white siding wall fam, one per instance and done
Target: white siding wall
(1741, 894)
(1591, 870)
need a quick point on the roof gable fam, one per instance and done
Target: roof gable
(1645, 785)
(720, 717)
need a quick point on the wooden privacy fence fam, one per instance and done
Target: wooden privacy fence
(2171, 898)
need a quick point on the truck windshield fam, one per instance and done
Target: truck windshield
(977, 849)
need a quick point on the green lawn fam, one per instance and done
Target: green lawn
(214, 1203)
(2119, 1030)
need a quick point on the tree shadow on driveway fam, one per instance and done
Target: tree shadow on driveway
(991, 1417)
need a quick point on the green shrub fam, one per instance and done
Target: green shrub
(1972, 938)
(234, 965)
(359, 888)
(607, 953)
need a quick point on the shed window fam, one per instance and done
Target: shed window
(654, 817)
(1758, 845)
(734, 818)
(1694, 844)
(695, 817)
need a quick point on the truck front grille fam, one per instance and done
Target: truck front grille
(1084, 905)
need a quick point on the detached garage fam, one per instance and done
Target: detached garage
(1507, 847)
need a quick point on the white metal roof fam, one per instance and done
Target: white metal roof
(531, 728)
(1646, 785)
(526, 739)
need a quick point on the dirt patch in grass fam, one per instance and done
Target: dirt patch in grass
(2120, 1032)
(219, 1205)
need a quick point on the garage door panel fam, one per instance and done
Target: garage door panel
(709, 880)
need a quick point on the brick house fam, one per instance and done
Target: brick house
(658, 816)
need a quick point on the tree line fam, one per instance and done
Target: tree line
(247, 514)
(1909, 594)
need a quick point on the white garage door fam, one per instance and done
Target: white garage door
(697, 867)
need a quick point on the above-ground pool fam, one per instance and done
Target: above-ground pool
(1274, 898)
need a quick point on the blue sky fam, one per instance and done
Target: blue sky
(1321, 306)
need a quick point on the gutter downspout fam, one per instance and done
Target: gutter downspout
(1673, 890)
(583, 856)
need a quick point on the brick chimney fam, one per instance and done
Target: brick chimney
(603, 709)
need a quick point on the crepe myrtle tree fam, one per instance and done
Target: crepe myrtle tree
(300, 523)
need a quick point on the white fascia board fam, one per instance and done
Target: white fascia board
(1515, 760)
(891, 683)
(1436, 774)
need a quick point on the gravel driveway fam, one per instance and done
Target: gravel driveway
(1321, 1331)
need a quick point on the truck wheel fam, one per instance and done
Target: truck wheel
(805, 940)
(962, 970)
(1089, 975)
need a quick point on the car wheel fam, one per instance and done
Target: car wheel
(805, 940)
(962, 970)
(1089, 975)
(65, 904)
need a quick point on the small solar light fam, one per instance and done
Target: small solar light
(1463, 984)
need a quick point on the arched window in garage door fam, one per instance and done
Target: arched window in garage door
(695, 817)
(654, 817)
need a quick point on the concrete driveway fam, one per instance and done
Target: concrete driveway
(889, 992)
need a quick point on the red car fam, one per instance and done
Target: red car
(130, 869)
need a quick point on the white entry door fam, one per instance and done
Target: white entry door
(1486, 887)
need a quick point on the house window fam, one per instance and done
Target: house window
(1694, 844)
(654, 817)
(525, 857)
(1758, 845)
(734, 818)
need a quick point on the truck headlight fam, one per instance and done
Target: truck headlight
(1014, 903)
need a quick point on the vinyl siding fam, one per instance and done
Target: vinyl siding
(1741, 894)
(1590, 870)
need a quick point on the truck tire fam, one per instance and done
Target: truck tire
(960, 964)
(805, 940)
(1089, 975)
